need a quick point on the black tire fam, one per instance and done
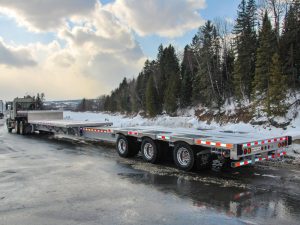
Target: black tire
(184, 156)
(17, 127)
(126, 146)
(150, 151)
(9, 128)
(22, 128)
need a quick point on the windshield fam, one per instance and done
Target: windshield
(25, 106)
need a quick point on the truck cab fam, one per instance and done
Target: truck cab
(17, 116)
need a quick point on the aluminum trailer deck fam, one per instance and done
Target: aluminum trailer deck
(239, 147)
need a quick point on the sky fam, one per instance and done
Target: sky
(70, 49)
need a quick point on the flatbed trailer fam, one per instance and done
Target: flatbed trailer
(190, 148)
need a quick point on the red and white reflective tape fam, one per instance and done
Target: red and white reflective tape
(133, 133)
(246, 162)
(264, 141)
(210, 143)
(98, 130)
(163, 137)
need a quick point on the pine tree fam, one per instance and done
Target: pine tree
(151, 98)
(208, 80)
(276, 104)
(290, 45)
(227, 72)
(188, 70)
(170, 71)
(171, 96)
(267, 47)
(245, 44)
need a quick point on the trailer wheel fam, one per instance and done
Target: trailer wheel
(126, 147)
(17, 127)
(184, 156)
(150, 151)
(122, 146)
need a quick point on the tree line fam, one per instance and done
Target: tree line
(257, 61)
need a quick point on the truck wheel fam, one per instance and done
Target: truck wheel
(22, 128)
(150, 151)
(184, 156)
(17, 127)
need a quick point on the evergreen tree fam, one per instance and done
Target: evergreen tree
(207, 85)
(151, 98)
(40, 98)
(85, 105)
(170, 71)
(245, 45)
(142, 84)
(267, 47)
(188, 71)
(171, 96)
(227, 72)
(276, 104)
(290, 45)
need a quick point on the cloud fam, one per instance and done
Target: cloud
(15, 57)
(163, 17)
(94, 45)
(46, 15)
(95, 55)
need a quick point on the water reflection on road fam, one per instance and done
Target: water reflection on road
(46, 181)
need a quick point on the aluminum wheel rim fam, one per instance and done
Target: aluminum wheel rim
(122, 146)
(148, 151)
(183, 156)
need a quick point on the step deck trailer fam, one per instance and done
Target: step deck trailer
(237, 148)
(188, 146)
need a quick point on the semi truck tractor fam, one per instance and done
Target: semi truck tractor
(189, 148)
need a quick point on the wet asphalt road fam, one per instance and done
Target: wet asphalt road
(46, 181)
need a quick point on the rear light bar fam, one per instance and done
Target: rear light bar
(246, 162)
(272, 144)
(263, 142)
